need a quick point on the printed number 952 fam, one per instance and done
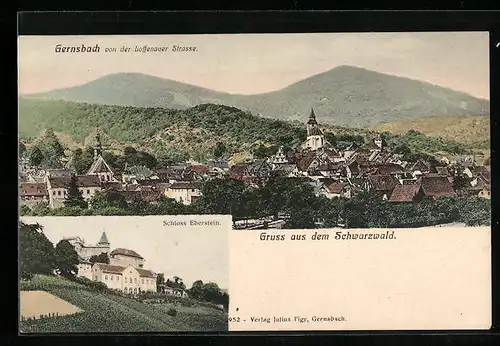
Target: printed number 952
(234, 319)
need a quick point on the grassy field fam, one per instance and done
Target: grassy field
(110, 313)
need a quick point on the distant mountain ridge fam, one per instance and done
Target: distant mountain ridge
(344, 96)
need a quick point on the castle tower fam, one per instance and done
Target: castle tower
(103, 245)
(104, 239)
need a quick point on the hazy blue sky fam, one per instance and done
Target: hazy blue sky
(254, 63)
(189, 252)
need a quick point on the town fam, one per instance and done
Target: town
(328, 170)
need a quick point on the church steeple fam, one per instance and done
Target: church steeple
(97, 147)
(311, 123)
(312, 118)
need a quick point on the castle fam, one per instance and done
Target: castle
(125, 271)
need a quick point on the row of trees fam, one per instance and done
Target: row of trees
(293, 199)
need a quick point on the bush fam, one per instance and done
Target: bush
(172, 312)
(92, 285)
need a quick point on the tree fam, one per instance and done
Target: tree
(74, 197)
(82, 159)
(35, 156)
(66, 259)
(21, 149)
(36, 252)
(211, 292)
(176, 282)
(107, 199)
(222, 196)
(460, 182)
(50, 145)
(160, 281)
(331, 138)
(219, 150)
(196, 290)
(262, 151)
(101, 258)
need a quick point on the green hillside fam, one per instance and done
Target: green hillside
(192, 130)
(474, 130)
(195, 132)
(344, 96)
(109, 313)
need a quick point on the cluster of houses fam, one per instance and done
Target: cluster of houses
(332, 173)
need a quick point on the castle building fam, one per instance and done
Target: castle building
(86, 251)
(315, 137)
(124, 272)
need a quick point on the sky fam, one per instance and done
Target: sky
(258, 63)
(192, 253)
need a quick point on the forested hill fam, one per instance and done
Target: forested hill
(195, 132)
(197, 129)
(344, 96)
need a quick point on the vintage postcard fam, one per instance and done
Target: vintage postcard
(124, 274)
(353, 169)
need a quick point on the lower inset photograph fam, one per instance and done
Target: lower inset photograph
(124, 274)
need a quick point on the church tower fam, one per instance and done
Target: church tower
(315, 137)
(97, 147)
(311, 123)
(100, 167)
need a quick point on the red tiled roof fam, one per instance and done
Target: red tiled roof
(238, 169)
(304, 163)
(125, 252)
(382, 182)
(198, 168)
(389, 168)
(142, 195)
(336, 187)
(82, 181)
(145, 273)
(404, 192)
(33, 189)
(111, 185)
(112, 269)
(183, 185)
(437, 187)
(329, 166)
(442, 170)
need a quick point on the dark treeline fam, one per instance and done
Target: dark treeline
(292, 199)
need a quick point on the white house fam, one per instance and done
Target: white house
(127, 279)
(184, 192)
(31, 194)
(58, 188)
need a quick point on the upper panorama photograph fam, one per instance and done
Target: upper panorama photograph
(329, 130)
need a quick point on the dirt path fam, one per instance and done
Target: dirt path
(36, 303)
